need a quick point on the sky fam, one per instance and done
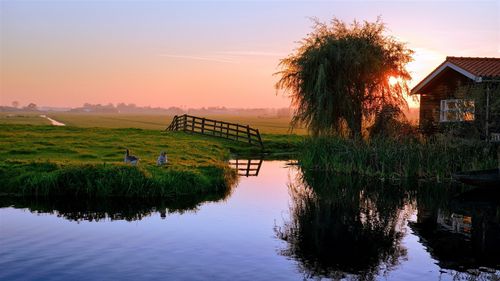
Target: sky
(204, 53)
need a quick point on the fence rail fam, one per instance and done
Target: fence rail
(216, 128)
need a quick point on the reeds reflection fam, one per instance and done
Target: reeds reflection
(350, 227)
(112, 209)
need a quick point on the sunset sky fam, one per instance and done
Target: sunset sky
(193, 54)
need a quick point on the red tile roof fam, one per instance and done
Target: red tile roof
(477, 69)
(482, 67)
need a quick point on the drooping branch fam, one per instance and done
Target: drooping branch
(339, 75)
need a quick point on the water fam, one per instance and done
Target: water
(270, 227)
(52, 121)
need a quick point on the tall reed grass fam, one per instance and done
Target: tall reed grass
(435, 158)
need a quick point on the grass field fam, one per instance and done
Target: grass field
(266, 125)
(86, 156)
(98, 145)
(28, 118)
(99, 141)
(40, 159)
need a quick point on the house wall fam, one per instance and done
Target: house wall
(444, 86)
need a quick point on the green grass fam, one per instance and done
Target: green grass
(48, 160)
(95, 139)
(51, 160)
(105, 180)
(437, 158)
(266, 125)
(113, 120)
(26, 118)
(99, 145)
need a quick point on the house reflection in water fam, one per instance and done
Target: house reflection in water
(465, 233)
(455, 223)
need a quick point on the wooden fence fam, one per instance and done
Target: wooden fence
(246, 167)
(210, 127)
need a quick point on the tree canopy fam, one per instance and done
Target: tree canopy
(339, 76)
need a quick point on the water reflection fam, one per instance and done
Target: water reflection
(246, 167)
(98, 209)
(465, 233)
(343, 227)
(338, 227)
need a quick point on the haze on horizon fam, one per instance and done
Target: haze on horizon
(195, 54)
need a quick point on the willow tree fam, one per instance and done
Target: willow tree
(339, 76)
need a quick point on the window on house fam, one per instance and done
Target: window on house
(454, 110)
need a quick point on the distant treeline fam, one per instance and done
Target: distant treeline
(173, 110)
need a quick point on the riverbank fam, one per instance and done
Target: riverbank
(60, 161)
(432, 159)
(49, 160)
(53, 161)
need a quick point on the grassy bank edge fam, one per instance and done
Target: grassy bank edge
(109, 180)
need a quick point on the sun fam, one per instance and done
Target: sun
(393, 80)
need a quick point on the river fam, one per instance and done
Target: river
(279, 225)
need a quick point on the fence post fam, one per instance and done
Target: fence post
(203, 125)
(258, 167)
(260, 140)
(172, 124)
(185, 122)
(248, 134)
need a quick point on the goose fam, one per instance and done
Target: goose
(131, 159)
(162, 159)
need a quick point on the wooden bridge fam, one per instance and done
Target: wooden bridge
(215, 128)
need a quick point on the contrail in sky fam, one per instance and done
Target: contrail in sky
(203, 58)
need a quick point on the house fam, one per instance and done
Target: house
(444, 97)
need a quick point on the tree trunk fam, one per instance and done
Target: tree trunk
(355, 126)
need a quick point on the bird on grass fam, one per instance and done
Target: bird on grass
(131, 159)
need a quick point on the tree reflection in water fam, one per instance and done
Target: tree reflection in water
(342, 225)
(349, 227)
